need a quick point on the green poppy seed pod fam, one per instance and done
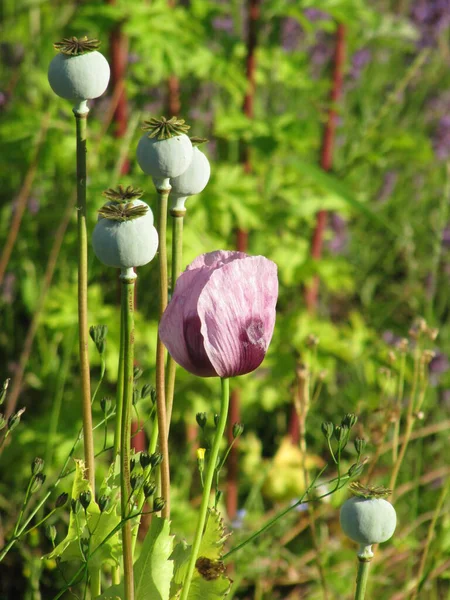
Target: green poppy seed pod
(79, 77)
(127, 243)
(164, 159)
(192, 181)
(368, 521)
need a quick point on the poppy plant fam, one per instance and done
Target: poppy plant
(220, 319)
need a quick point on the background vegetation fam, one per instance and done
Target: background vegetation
(385, 259)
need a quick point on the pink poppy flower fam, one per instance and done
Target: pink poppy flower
(220, 319)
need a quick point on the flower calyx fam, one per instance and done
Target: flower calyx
(122, 193)
(122, 211)
(74, 46)
(163, 129)
(368, 491)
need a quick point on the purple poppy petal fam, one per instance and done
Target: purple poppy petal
(237, 312)
(213, 260)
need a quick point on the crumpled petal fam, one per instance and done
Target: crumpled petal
(237, 311)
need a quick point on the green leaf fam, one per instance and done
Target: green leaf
(153, 570)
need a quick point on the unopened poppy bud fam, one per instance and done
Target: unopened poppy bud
(2, 422)
(75, 506)
(338, 433)
(144, 459)
(132, 464)
(146, 390)
(349, 420)
(104, 502)
(105, 404)
(61, 500)
(360, 444)
(216, 419)
(37, 466)
(51, 533)
(158, 504)
(149, 489)
(155, 459)
(37, 482)
(137, 373)
(238, 429)
(201, 419)
(98, 335)
(85, 499)
(136, 481)
(327, 429)
(14, 419)
(3, 390)
(356, 470)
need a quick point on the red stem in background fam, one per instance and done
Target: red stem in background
(173, 86)
(326, 160)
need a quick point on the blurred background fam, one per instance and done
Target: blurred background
(329, 139)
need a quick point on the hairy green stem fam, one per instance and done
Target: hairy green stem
(119, 392)
(361, 579)
(81, 114)
(163, 194)
(128, 281)
(212, 461)
(177, 254)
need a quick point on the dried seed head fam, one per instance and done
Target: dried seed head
(122, 193)
(74, 46)
(124, 211)
(368, 491)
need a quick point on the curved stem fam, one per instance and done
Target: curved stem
(163, 193)
(212, 461)
(177, 254)
(81, 121)
(361, 579)
(128, 281)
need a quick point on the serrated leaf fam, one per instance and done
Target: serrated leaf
(153, 570)
(214, 536)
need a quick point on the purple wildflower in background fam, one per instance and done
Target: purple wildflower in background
(315, 14)
(432, 18)
(388, 186)
(446, 237)
(441, 138)
(238, 521)
(2, 99)
(9, 288)
(291, 33)
(224, 23)
(133, 58)
(390, 338)
(339, 242)
(360, 59)
(438, 366)
(33, 205)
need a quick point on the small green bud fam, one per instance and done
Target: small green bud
(61, 500)
(201, 419)
(2, 422)
(327, 429)
(105, 405)
(216, 419)
(136, 396)
(238, 428)
(132, 464)
(37, 483)
(3, 390)
(158, 504)
(153, 395)
(37, 466)
(84, 543)
(75, 506)
(146, 390)
(360, 444)
(104, 502)
(155, 459)
(98, 335)
(14, 419)
(85, 499)
(144, 459)
(51, 533)
(149, 489)
(338, 433)
(356, 470)
(137, 373)
(136, 481)
(349, 420)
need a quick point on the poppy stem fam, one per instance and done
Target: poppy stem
(81, 113)
(361, 579)
(128, 277)
(163, 194)
(177, 255)
(211, 468)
